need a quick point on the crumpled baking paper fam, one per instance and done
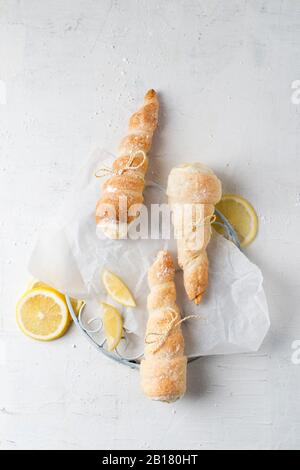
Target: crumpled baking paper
(70, 257)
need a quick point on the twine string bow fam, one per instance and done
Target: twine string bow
(105, 170)
(208, 220)
(172, 324)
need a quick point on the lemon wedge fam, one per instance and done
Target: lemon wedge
(241, 215)
(36, 284)
(113, 325)
(42, 314)
(117, 289)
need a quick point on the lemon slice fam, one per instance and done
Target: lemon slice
(117, 289)
(76, 303)
(113, 326)
(241, 215)
(42, 314)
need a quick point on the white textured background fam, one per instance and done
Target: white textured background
(71, 71)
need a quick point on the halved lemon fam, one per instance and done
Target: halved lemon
(117, 289)
(42, 314)
(113, 325)
(76, 303)
(242, 216)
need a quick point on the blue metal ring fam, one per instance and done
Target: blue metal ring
(132, 364)
(231, 233)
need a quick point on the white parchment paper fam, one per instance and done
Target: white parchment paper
(70, 257)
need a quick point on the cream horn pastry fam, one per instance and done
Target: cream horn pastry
(163, 369)
(193, 190)
(124, 189)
